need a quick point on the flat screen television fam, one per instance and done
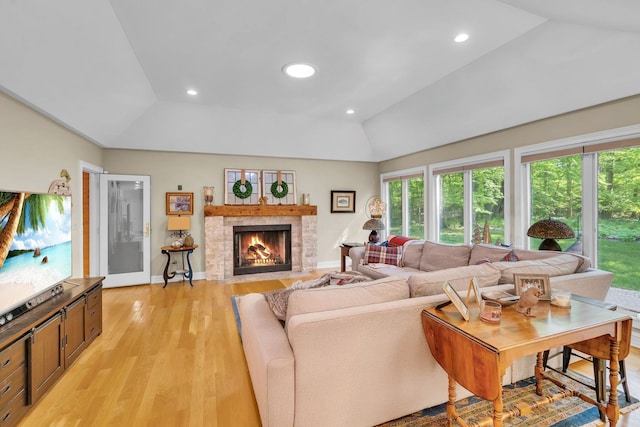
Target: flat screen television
(35, 245)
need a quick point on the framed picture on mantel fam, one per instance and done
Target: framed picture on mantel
(343, 201)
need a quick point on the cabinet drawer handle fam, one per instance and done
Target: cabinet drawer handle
(6, 363)
(6, 390)
(6, 417)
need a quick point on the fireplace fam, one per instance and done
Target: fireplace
(261, 248)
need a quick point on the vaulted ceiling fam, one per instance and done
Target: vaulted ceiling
(117, 71)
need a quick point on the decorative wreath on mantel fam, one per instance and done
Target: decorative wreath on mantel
(242, 194)
(279, 194)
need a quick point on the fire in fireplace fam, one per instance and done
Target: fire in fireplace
(261, 248)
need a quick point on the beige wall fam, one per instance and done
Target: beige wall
(34, 150)
(193, 171)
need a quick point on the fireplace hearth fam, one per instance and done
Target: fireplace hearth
(261, 248)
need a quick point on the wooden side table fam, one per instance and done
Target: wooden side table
(344, 253)
(476, 354)
(187, 274)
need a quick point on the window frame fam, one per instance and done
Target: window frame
(400, 175)
(581, 144)
(467, 165)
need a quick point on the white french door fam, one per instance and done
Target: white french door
(125, 236)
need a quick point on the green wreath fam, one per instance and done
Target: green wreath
(248, 189)
(279, 194)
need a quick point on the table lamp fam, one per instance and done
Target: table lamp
(549, 230)
(375, 209)
(178, 225)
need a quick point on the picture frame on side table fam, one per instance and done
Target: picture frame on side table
(473, 287)
(525, 281)
(456, 300)
(179, 204)
(343, 201)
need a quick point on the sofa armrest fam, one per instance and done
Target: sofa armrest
(356, 254)
(269, 359)
(592, 283)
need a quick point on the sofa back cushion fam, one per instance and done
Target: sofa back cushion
(439, 256)
(350, 295)
(424, 284)
(484, 252)
(412, 253)
(558, 265)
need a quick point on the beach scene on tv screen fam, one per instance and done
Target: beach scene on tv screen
(35, 244)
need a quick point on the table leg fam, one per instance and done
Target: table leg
(189, 275)
(451, 407)
(539, 368)
(166, 274)
(613, 410)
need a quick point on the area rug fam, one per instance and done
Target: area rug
(568, 412)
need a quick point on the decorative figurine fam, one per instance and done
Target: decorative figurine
(527, 300)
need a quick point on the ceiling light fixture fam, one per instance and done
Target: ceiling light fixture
(299, 71)
(350, 111)
(462, 37)
(192, 92)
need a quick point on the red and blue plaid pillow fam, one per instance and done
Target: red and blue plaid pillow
(374, 254)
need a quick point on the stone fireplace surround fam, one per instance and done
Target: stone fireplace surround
(218, 235)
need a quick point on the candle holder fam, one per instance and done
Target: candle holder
(208, 195)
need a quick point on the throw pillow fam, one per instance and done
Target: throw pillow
(511, 257)
(382, 255)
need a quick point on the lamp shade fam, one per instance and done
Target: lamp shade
(373, 224)
(176, 223)
(550, 229)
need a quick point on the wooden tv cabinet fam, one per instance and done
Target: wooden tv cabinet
(37, 347)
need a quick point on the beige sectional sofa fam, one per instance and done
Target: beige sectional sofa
(355, 355)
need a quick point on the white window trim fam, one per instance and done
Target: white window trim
(405, 195)
(589, 175)
(434, 193)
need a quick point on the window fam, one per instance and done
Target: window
(556, 192)
(594, 187)
(404, 193)
(470, 200)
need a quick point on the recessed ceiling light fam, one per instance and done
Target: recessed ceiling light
(192, 92)
(462, 37)
(350, 111)
(299, 71)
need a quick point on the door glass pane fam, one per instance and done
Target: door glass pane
(125, 227)
(395, 208)
(618, 214)
(488, 205)
(556, 193)
(452, 208)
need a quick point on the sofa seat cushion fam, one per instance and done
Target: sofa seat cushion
(440, 256)
(379, 271)
(350, 295)
(558, 265)
(430, 283)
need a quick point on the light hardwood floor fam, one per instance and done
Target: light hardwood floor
(173, 357)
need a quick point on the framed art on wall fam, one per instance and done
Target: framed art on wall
(179, 204)
(526, 281)
(343, 201)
